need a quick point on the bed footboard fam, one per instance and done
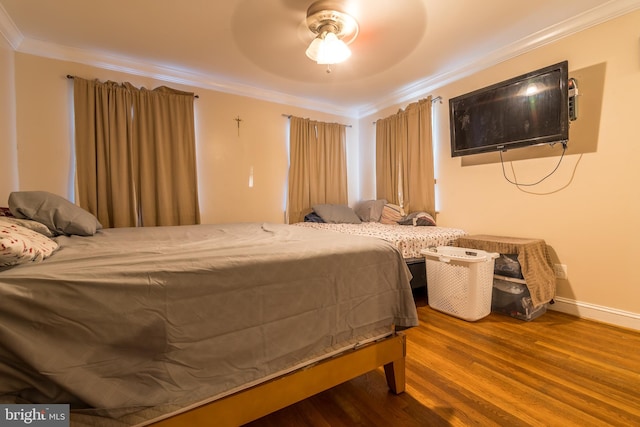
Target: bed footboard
(258, 401)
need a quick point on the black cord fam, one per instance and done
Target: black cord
(564, 149)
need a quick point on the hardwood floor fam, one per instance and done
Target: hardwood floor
(556, 370)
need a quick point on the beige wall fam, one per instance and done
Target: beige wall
(588, 211)
(8, 153)
(225, 154)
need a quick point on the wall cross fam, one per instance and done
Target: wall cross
(238, 120)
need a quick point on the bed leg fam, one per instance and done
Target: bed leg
(395, 371)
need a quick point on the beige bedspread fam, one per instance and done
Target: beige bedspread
(532, 256)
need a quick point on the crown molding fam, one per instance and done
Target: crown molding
(9, 29)
(422, 88)
(610, 10)
(172, 75)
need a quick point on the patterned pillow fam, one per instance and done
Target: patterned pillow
(391, 214)
(418, 218)
(20, 245)
(28, 223)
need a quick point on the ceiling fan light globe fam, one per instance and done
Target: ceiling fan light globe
(314, 48)
(332, 50)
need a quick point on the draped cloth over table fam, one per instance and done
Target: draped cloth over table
(532, 256)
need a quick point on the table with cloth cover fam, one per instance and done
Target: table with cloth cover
(533, 258)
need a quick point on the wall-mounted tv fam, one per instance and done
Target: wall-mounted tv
(526, 110)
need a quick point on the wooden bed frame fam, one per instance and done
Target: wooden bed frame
(256, 402)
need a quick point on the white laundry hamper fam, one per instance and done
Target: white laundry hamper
(460, 281)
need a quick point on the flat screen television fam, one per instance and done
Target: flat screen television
(526, 110)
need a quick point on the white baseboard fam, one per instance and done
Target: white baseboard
(625, 319)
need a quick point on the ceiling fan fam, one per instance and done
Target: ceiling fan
(334, 28)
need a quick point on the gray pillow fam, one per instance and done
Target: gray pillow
(370, 210)
(336, 214)
(57, 213)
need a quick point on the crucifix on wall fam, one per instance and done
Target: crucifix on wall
(238, 120)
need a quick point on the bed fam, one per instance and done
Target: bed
(409, 240)
(409, 233)
(181, 325)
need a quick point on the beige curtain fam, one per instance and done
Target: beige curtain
(317, 166)
(166, 180)
(404, 158)
(104, 168)
(135, 154)
(387, 160)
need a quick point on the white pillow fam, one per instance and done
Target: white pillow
(19, 245)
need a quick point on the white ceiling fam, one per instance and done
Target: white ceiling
(405, 49)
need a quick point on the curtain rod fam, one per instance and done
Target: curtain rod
(436, 99)
(69, 76)
(288, 116)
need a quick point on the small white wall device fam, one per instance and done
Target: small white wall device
(573, 99)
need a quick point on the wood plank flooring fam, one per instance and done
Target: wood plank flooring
(556, 370)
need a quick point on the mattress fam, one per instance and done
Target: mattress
(162, 317)
(409, 240)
